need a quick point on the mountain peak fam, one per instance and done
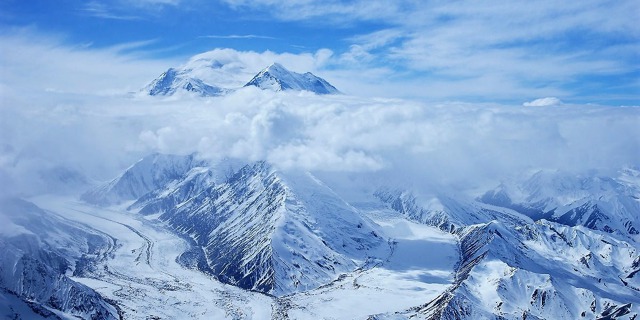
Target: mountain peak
(192, 78)
(278, 78)
(276, 66)
(173, 80)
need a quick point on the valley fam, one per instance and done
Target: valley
(142, 275)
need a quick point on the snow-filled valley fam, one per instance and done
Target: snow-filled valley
(141, 274)
(266, 243)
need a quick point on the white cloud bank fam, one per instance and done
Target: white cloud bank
(481, 51)
(543, 102)
(451, 144)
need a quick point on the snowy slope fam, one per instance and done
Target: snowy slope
(275, 232)
(148, 174)
(38, 251)
(540, 271)
(173, 81)
(277, 78)
(174, 192)
(288, 234)
(600, 203)
(205, 76)
(512, 268)
(140, 272)
(258, 228)
(447, 212)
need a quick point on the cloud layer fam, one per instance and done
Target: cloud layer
(58, 110)
(449, 144)
(581, 51)
(489, 51)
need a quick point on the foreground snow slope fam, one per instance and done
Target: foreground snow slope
(39, 252)
(143, 276)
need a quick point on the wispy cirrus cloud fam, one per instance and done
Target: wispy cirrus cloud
(33, 62)
(330, 11)
(535, 48)
(238, 36)
(101, 10)
(125, 10)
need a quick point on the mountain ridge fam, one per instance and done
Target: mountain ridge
(288, 233)
(277, 78)
(191, 79)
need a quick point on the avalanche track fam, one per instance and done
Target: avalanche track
(141, 274)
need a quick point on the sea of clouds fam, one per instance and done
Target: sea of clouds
(66, 118)
(449, 144)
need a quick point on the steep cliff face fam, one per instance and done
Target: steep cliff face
(275, 232)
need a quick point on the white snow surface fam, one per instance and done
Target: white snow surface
(208, 77)
(143, 277)
(288, 245)
(277, 78)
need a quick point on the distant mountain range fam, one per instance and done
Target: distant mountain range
(274, 77)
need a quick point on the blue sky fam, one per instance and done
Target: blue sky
(496, 51)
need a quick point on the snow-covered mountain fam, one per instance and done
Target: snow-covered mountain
(291, 235)
(173, 81)
(512, 268)
(447, 212)
(208, 77)
(277, 78)
(39, 252)
(261, 229)
(148, 174)
(540, 271)
(596, 202)
(275, 232)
